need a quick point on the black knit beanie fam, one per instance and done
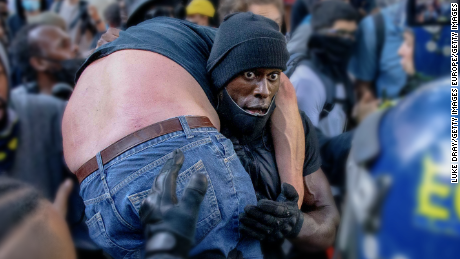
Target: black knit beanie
(243, 42)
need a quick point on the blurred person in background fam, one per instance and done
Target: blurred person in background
(31, 138)
(24, 10)
(4, 13)
(323, 87)
(271, 9)
(399, 162)
(30, 225)
(48, 60)
(123, 11)
(334, 25)
(425, 55)
(399, 182)
(200, 12)
(300, 26)
(375, 62)
(301, 16)
(112, 16)
(300, 10)
(49, 18)
(287, 14)
(84, 24)
(142, 10)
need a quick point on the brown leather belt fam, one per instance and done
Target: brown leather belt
(139, 137)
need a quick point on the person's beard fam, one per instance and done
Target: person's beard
(66, 74)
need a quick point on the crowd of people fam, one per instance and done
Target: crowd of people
(223, 129)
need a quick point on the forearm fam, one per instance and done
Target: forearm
(321, 217)
(288, 137)
(318, 230)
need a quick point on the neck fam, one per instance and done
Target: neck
(45, 83)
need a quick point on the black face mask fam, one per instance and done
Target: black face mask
(242, 123)
(68, 70)
(333, 49)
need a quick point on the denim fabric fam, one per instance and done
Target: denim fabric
(114, 193)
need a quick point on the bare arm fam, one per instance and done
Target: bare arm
(321, 217)
(289, 141)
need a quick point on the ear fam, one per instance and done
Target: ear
(38, 64)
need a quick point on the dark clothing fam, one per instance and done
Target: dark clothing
(300, 10)
(15, 23)
(258, 158)
(334, 155)
(39, 158)
(166, 36)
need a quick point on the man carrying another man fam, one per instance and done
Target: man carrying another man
(245, 104)
(115, 97)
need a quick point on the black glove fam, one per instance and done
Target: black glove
(170, 226)
(273, 221)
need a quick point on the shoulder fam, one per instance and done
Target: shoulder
(305, 80)
(22, 100)
(304, 73)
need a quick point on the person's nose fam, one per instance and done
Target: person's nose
(262, 91)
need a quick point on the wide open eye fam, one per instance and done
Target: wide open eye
(249, 75)
(273, 77)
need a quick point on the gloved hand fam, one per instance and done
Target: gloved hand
(273, 221)
(170, 226)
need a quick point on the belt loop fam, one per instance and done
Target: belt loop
(102, 173)
(100, 165)
(185, 127)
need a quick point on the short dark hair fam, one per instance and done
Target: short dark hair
(326, 13)
(22, 49)
(17, 202)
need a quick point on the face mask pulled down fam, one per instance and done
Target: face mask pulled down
(67, 71)
(242, 123)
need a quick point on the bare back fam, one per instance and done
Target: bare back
(122, 93)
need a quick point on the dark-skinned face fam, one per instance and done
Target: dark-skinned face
(254, 90)
(55, 45)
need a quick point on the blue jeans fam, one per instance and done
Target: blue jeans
(114, 193)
